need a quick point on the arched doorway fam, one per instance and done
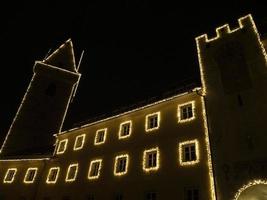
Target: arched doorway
(255, 190)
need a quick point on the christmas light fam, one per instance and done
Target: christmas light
(148, 118)
(52, 180)
(121, 133)
(116, 163)
(70, 177)
(10, 175)
(79, 142)
(28, 179)
(98, 137)
(62, 146)
(179, 112)
(92, 164)
(151, 168)
(181, 152)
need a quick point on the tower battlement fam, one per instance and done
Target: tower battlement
(224, 30)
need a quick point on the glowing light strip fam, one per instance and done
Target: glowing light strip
(90, 169)
(147, 128)
(48, 181)
(35, 169)
(131, 111)
(121, 129)
(181, 145)
(126, 156)
(62, 142)
(180, 120)
(75, 148)
(26, 159)
(207, 141)
(155, 168)
(97, 136)
(71, 179)
(250, 184)
(7, 173)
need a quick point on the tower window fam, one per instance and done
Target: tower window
(10, 175)
(72, 173)
(191, 194)
(79, 141)
(151, 159)
(94, 169)
(152, 121)
(189, 152)
(100, 136)
(125, 129)
(121, 164)
(30, 175)
(186, 112)
(62, 146)
(52, 175)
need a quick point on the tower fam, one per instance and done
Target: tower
(234, 79)
(44, 106)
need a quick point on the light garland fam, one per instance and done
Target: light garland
(104, 131)
(181, 145)
(10, 170)
(180, 120)
(53, 181)
(121, 129)
(29, 170)
(91, 168)
(70, 168)
(148, 117)
(77, 142)
(64, 143)
(147, 151)
(117, 158)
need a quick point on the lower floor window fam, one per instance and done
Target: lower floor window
(151, 196)
(191, 194)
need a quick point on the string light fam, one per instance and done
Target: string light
(179, 112)
(79, 142)
(9, 172)
(69, 177)
(152, 168)
(181, 152)
(148, 118)
(97, 136)
(117, 159)
(52, 180)
(92, 164)
(62, 146)
(122, 125)
(28, 179)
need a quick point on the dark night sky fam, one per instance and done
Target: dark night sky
(134, 50)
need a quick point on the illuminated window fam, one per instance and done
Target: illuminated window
(30, 175)
(79, 141)
(100, 136)
(150, 196)
(121, 164)
(72, 173)
(10, 175)
(52, 175)
(191, 194)
(186, 112)
(125, 129)
(94, 169)
(62, 146)
(189, 152)
(151, 159)
(152, 121)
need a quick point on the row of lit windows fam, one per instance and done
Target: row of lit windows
(188, 155)
(185, 113)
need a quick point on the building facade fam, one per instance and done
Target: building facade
(205, 143)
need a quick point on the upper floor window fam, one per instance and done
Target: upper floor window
(125, 129)
(100, 136)
(30, 175)
(72, 173)
(52, 175)
(62, 146)
(121, 164)
(152, 121)
(79, 141)
(191, 194)
(189, 152)
(186, 112)
(94, 169)
(10, 175)
(151, 159)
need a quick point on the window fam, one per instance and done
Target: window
(100, 136)
(10, 175)
(62, 146)
(189, 152)
(94, 169)
(72, 173)
(91, 197)
(151, 196)
(79, 141)
(186, 112)
(152, 121)
(121, 164)
(119, 197)
(52, 175)
(125, 129)
(30, 175)
(151, 159)
(191, 194)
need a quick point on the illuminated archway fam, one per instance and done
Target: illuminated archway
(254, 190)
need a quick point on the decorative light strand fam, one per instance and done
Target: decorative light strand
(92, 163)
(53, 181)
(181, 152)
(71, 167)
(10, 170)
(27, 175)
(104, 131)
(117, 158)
(148, 117)
(77, 144)
(121, 136)
(63, 143)
(180, 120)
(145, 153)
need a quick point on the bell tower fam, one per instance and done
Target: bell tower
(234, 80)
(44, 105)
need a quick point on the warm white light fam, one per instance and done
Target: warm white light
(52, 180)
(150, 116)
(28, 179)
(181, 152)
(62, 146)
(98, 135)
(71, 177)
(92, 165)
(79, 142)
(10, 175)
(122, 125)
(145, 153)
(117, 158)
(179, 112)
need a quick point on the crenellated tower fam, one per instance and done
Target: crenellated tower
(44, 105)
(234, 80)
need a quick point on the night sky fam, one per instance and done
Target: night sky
(134, 50)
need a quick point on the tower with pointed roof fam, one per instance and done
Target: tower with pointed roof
(44, 105)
